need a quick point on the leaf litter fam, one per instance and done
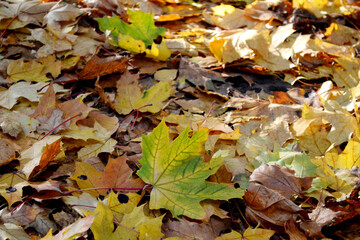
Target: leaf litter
(179, 120)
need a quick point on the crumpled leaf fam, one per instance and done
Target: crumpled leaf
(177, 172)
(280, 179)
(320, 217)
(58, 13)
(22, 215)
(269, 192)
(264, 204)
(343, 124)
(15, 123)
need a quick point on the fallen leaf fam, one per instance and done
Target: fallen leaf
(117, 174)
(172, 169)
(26, 90)
(280, 179)
(249, 234)
(98, 67)
(130, 97)
(264, 204)
(9, 231)
(7, 152)
(320, 217)
(34, 70)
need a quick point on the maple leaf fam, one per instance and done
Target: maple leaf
(249, 234)
(72, 231)
(137, 36)
(35, 70)
(117, 174)
(129, 95)
(133, 225)
(177, 173)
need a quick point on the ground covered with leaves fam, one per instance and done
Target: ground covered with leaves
(171, 119)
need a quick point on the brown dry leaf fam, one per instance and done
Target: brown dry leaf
(47, 104)
(293, 231)
(7, 151)
(74, 107)
(117, 174)
(108, 7)
(320, 217)
(107, 122)
(49, 154)
(282, 98)
(51, 43)
(264, 204)
(147, 66)
(98, 67)
(198, 76)
(31, 157)
(58, 13)
(21, 215)
(188, 230)
(280, 179)
(53, 122)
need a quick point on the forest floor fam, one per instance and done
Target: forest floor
(179, 119)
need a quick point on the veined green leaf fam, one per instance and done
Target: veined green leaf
(177, 172)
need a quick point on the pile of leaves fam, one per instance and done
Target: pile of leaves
(182, 119)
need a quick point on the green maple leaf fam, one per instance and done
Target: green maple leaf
(142, 26)
(177, 173)
(136, 37)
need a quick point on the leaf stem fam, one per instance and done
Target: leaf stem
(102, 188)
(137, 114)
(77, 115)
(120, 224)
(6, 28)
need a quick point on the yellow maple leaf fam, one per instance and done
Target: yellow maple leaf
(34, 70)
